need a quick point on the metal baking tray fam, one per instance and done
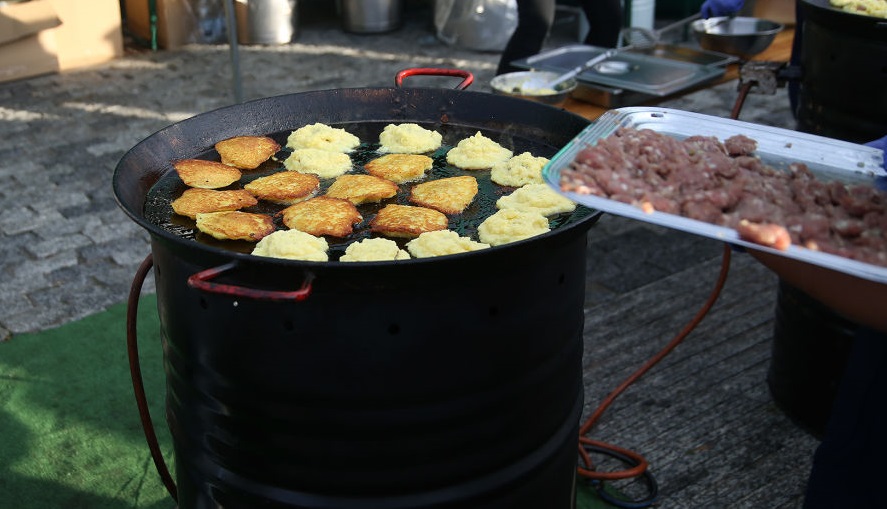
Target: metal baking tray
(632, 77)
(827, 158)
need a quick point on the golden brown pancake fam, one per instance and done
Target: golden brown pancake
(399, 168)
(247, 152)
(362, 189)
(449, 195)
(235, 225)
(206, 174)
(194, 201)
(407, 221)
(322, 216)
(285, 187)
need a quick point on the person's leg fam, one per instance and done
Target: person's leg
(849, 465)
(604, 22)
(534, 19)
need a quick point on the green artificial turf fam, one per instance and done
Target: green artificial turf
(70, 435)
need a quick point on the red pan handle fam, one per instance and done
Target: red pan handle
(135, 372)
(467, 77)
(203, 281)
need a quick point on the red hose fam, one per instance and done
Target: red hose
(641, 463)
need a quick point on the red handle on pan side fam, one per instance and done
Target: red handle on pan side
(467, 77)
(202, 281)
(135, 372)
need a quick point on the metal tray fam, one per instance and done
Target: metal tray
(631, 77)
(827, 158)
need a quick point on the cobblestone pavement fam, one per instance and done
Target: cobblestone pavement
(66, 248)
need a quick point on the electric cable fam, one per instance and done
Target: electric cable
(638, 464)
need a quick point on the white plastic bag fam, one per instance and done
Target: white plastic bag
(484, 25)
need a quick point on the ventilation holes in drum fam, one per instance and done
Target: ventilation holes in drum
(561, 279)
(203, 303)
(494, 311)
(289, 326)
(394, 329)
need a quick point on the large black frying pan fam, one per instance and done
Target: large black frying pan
(468, 366)
(518, 124)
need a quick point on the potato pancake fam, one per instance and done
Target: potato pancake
(322, 216)
(448, 195)
(374, 250)
(509, 225)
(293, 245)
(400, 168)
(323, 137)
(518, 171)
(407, 221)
(285, 187)
(235, 225)
(442, 242)
(206, 174)
(408, 138)
(323, 163)
(247, 152)
(360, 189)
(195, 200)
(477, 153)
(537, 198)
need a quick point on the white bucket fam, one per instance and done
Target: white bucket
(643, 13)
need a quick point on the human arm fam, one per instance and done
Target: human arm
(860, 300)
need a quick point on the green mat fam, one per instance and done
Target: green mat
(70, 435)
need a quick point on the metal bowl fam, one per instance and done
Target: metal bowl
(518, 84)
(739, 36)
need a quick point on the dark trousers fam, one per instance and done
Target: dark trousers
(534, 20)
(850, 464)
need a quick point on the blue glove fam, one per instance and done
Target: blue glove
(717, 8)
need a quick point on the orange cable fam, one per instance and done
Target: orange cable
(642, 463)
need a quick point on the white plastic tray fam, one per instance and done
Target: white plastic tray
(827, 158)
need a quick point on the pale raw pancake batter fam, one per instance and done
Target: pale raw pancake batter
(374, 250)
(442, 242)
(518, 171)
(323, 137)
(477, 153)
(408, 138)
(537, 198)
(509, 225)
(323, 163)
(293, 245)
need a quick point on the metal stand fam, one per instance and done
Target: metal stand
(231, 26)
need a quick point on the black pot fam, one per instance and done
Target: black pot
(447, 382)
(844, 61)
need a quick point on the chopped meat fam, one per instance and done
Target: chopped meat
(726, 184)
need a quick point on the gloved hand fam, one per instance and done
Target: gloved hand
(716, 8)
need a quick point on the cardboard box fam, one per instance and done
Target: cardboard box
(90, 32)
(175, 22)
(45, 36)
(27, 41)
